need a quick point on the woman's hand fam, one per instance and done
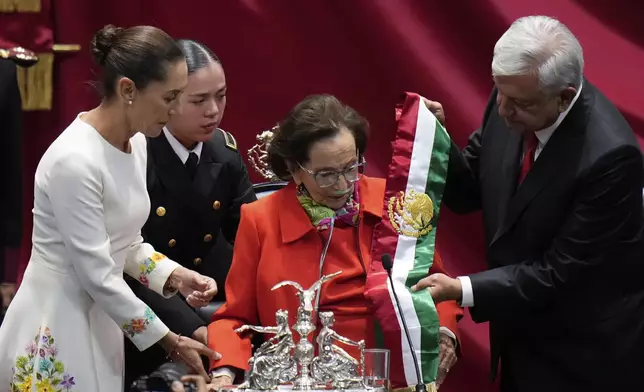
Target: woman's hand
(446, 358)
(188, 351)
(196, 288)
(201, 335)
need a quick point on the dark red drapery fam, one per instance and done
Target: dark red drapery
(366, 52)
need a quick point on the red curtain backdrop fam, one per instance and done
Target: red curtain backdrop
(366, 52)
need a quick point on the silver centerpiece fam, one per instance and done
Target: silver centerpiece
(279, 363)
(333, 366)
(304, 350)
(273, 362)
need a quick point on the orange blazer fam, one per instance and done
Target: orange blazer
(276, 241)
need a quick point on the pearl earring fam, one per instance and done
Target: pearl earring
(129, 102)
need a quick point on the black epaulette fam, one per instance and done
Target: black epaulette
(230, 140)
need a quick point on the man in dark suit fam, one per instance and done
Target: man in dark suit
(557, 173)
(194, 215)
(10, 162)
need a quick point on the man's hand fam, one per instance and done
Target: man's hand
(436, 108)
(441, 287)
(446, 358)
(201, 335)
(219, 382)
(198, 289)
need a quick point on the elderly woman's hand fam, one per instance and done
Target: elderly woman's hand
(219, 382)
(446, 357)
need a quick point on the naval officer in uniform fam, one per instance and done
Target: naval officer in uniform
(197, 182)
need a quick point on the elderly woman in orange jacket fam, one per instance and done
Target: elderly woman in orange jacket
(319, 149)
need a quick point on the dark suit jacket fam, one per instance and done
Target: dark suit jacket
(193, 222)
(564, 292)
(10, 161)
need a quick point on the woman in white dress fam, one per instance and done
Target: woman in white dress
(64, 329)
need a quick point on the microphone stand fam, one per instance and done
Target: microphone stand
(387, 264)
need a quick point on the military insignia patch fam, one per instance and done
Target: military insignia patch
(230, 140)
(411, 214)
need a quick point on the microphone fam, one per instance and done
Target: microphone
(387, 264)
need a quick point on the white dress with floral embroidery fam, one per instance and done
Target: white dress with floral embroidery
(64, 328)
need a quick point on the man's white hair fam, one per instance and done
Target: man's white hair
(542, 46)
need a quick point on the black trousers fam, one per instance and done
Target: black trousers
(507, 383)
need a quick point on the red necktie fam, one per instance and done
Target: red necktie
(530, 141)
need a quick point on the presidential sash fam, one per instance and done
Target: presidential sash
(414, 190)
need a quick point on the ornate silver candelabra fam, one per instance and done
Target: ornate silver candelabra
(281, 362)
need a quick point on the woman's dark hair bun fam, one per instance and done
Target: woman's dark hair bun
(103, 41)
(139, 53)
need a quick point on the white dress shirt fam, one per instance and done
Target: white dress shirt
(181, 150)
(543, 136)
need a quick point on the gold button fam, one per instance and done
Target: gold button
(172, 242)
(161, 211)
(196, 261)
(216, 205)
(207, 238)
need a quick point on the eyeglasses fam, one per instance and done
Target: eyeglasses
(327, 178)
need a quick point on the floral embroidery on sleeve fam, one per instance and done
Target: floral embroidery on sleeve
(40, 365)
(138, 325)
(148, 266)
